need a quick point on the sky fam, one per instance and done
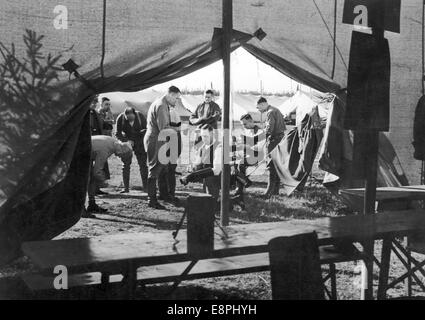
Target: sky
(247, 74)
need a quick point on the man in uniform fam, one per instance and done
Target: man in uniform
(131, 127)
(207, 113)
(106, 116)
(102, 148)
(96, 124)
(207, 166)
(252, 144)
(167, 178)
(275, 130)
(158, 120)
(96, 128)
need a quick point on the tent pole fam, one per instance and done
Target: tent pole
(370, 197)
(225, 175)
(369, 208)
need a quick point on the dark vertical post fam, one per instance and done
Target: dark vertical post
(200, 225)
(369, 206)
(225, 175)
(371, 172)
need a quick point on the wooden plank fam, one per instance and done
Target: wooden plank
(169, 272)
(418, 187)
(388, 193)
(112, 251)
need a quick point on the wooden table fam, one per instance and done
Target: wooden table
(124, 253)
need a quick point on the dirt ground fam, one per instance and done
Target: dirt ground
(129, 213)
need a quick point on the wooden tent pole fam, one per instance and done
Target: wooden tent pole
(371, 172)
(225, 174)
(369, 208)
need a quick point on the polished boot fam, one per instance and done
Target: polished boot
(94, 208)
(172, 186)
(126, 180)
(163, 185)
(243, 180)
(144, 176)
(101, 193)
(276, 187)
(271, 185)
(270, 189)
(153, 201)
(197, 176)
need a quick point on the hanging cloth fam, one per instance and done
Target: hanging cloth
(368, 90)
(294, 156)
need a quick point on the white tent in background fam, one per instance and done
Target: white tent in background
(242, 103)
(302, 103)
(191, 101)
(141, 101)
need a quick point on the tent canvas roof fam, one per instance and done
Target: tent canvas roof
(43, 135)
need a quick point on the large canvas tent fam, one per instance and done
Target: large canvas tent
(132, 45)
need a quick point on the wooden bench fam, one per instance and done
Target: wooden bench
(203, 269)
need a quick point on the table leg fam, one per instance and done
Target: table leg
(130, 280)
(367, 271)
(409, 280)
(385, 269)
(104, 284)
(332, 271)
(182, 276)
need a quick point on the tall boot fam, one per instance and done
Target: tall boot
(276, 187)
(153, 201)
(93, 208)
(126, 179)
(172, 185)
(271, 185)
(270, 188)
(167, 187)
(144, 176)
(197, 176)
(243, 180)
(163, 185)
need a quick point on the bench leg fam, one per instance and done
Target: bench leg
(104, 284)
(332, 272)
(130, 280)
(409, 270)
(415, 266)
(385, 269)
(182, 276)
(367, 271)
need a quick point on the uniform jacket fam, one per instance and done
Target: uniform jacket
(126, 132)
(158, 119)
(210, 112)
(102, 147)
(275, 127)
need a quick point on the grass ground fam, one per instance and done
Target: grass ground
(129, 213)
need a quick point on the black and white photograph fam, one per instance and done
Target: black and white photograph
(213, 155)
